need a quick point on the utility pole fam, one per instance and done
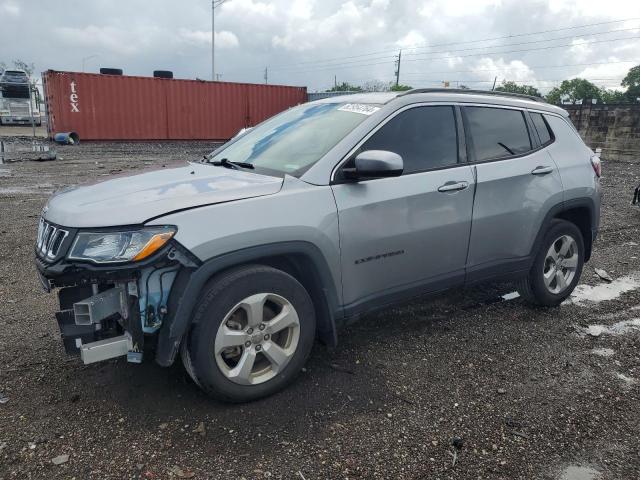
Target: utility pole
(84, 60)
(214, 4)
(213, 40)
(494, 83)
(335, 82)
(266, 75)
(399, 58)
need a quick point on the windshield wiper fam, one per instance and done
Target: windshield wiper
(229, 164)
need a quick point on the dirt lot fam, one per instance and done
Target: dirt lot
(531, 393)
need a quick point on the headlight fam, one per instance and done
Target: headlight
(111, 247)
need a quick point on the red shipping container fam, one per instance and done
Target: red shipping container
(113, 107)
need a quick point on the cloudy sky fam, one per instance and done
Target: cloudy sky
(313, 42)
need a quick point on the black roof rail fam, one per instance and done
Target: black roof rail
(496, 93)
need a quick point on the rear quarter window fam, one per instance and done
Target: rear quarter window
(497, 132)
(542, 127)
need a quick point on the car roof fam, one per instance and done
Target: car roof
(448, 95)
(372, 97)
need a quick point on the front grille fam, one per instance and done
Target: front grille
(49, 240)
(19, 109)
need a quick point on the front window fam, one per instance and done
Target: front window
(425, 138)
(290, 143)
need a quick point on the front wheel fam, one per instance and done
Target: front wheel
(253, 331)
(557, 266)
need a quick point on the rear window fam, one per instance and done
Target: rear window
(542, 128)
(497, 132)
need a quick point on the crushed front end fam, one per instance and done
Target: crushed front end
(113, 285)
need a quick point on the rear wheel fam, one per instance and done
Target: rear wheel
(253, 331)
(557, 266)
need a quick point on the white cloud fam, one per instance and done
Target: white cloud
(515, 70)
(580, 50)
(608, 76)
(459, 8)
(351, 22)
(301, 9)
(305, 42)
(109, 38)
(248, 8)
(224, 38)
(411, 39)
(453, 61)
(10, 8)
(595, 8)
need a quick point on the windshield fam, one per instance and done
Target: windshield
(12, 76)
(297, 138)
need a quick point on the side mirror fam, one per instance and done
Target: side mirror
(375, 164)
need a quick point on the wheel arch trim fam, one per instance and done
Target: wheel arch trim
(566, 206)
(183, 299)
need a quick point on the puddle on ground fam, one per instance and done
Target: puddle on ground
(585, 295)
(603, 352)
(576, 472)
(629, 381)
(16, 152)
(619, 328)
(43, 188)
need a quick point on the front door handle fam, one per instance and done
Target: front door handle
(540, 170)
(453, 186)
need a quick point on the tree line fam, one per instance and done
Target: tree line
(569, 91)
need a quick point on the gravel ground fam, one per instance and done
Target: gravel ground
(530, 393)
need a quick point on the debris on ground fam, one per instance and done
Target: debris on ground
(60, 459)
(455, 348)
(603, 275)
(200, 429)
(182, 472)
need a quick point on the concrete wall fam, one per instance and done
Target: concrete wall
(614, 128)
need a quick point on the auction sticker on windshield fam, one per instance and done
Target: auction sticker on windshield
(361, 108)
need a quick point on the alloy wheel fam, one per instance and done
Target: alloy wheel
(560, 264)
(257, 339)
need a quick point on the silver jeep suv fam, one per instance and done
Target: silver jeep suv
(314, 218)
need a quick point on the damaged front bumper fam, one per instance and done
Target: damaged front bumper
(109, 311)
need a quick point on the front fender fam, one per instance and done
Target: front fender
(190, 282)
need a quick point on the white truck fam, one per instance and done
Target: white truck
(17, 106)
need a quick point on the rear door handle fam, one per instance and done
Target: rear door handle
(453, 186)
(541, 170)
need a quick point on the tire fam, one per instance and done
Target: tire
(533, 287)
(110, 71)
(162, 74)
(238, 311)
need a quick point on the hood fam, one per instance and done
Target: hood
(138, 198)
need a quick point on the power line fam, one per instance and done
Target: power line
(420, 46)
(548, 47)
(530, 42)
(479, 48)
(530, 66)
